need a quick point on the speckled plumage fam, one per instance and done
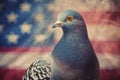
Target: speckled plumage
(39, 70)
(73, 57)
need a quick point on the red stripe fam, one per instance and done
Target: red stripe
(106, 17)
(100, 17)
(25, 49)
(99, 47)
(16, 74)
(106, 46)
(110, 74)
(11, 74)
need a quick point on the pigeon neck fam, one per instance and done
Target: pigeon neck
(71, 46)
(79, 34)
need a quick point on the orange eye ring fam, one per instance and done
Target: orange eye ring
(69, 18)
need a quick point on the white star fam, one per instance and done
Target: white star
(12, 17)
(1, 28)
(12, 38)
(39, 38)
(25, 7)
(25, 28)
(39, 17)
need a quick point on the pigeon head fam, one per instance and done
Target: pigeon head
(70, 21)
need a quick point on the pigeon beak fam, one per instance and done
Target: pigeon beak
(57, 24)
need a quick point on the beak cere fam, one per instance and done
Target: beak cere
(57, 24)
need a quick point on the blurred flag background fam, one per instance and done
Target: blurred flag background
(26, 33)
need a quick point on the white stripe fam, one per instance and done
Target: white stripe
(104, 32)
(98, 32)
(109, 61)
(17, 60)
(12, 60)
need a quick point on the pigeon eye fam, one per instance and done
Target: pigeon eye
(69, 18)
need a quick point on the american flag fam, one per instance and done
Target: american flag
(26, 33)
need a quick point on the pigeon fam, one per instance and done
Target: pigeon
(73, 58)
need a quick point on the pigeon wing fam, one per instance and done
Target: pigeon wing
(39, 70)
